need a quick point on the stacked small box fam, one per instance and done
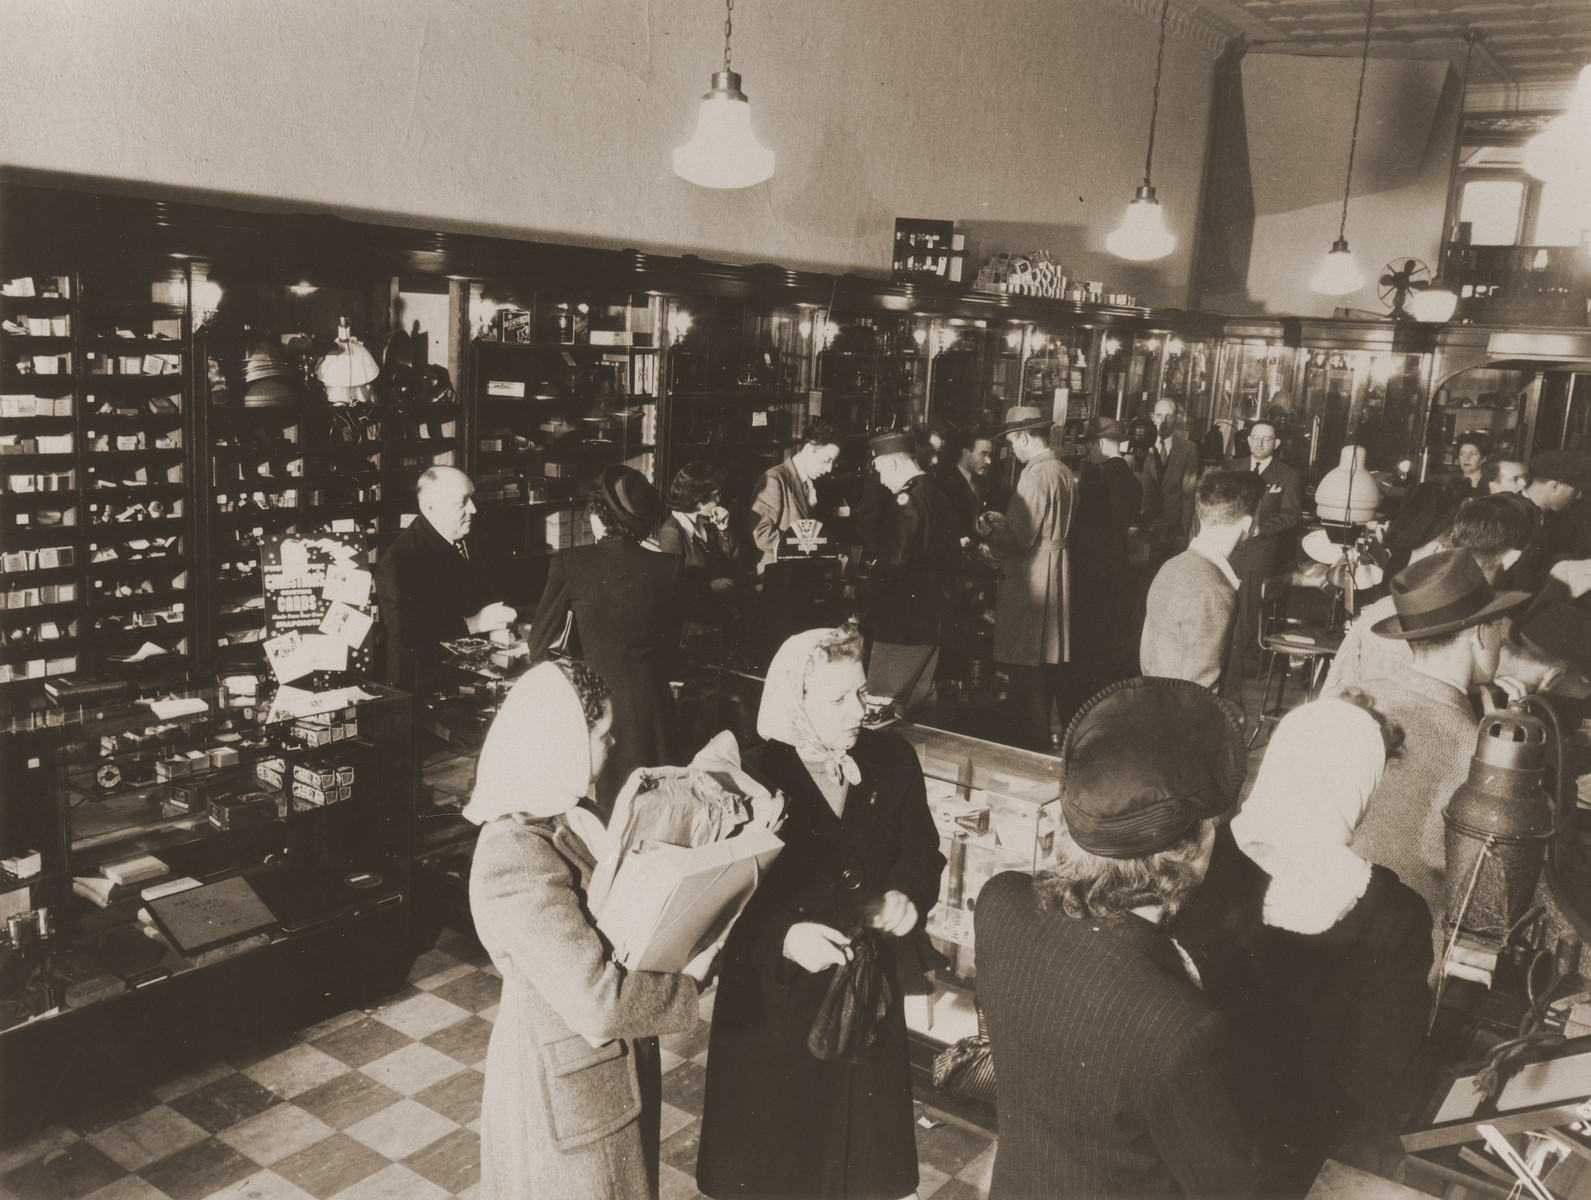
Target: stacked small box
(239, 810)
(317, 784)
(560, 527)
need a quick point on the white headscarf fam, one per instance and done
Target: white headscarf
(782, 716)
(1320, 770)
(537, 756)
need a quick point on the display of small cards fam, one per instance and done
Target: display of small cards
(35, 406)
(316, 600)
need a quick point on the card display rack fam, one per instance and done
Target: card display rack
(281, 458)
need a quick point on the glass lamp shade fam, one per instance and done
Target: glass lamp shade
(1338, 273)
(1349, 494)
(1142, 235)
(348, 371)
(1561, 153)
(723, 152)
(1433, 305)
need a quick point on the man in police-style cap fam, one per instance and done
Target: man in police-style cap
(1028, 542)
(916, 557)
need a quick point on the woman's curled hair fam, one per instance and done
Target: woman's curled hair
(1090, 885)
(591, 688)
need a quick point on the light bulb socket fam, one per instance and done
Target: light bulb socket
(727, 84)
(1340, 246)
(1145, 194)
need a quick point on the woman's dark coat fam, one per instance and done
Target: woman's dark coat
(1333, 1023)
(776, 1121)
(622, 598)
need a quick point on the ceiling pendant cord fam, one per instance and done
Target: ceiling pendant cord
(1154, 107)
(1358, 104)
(729, 27)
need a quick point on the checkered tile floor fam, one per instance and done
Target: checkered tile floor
(384, 1103)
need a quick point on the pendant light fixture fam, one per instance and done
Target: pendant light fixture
(723, 152)
(1339, 273)
(1142, 235)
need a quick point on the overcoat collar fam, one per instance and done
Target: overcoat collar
(806, 793)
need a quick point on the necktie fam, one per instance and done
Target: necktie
(1259, 468)
(463, 550)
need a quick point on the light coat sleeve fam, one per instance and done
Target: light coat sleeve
(1019, 533)
(527, 904)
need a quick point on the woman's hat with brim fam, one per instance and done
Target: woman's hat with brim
(631, 498)
(1443, 593)
(1145, 761)
(1021, 418)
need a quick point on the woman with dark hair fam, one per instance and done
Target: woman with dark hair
(1428, 511)
(861, 859)
(573, 1095)
(698, 531)
(618, 594)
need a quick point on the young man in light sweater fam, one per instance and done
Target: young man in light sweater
(1193, 599)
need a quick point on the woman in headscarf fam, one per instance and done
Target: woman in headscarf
(573, 1093)
(1330, 987)
(861, 858)
(620, 593)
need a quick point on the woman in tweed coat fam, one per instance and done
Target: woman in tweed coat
(573, 1083)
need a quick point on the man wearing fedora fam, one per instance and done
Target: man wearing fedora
(1028, 542)
(917, 557)
(1256, 560)
(1112, 1066)
(1455, 624)
(1109, 498)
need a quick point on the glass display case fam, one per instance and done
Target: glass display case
(1369, 398)
(737, 381)
(562, 384)
(1253, 376)
(452, 727)
(1492, 401)
(997, 809)
(976, 372)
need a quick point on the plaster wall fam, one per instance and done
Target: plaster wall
(1284, 124)
(1023, 120)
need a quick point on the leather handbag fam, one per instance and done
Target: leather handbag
(967, 1067)
(855, 1005)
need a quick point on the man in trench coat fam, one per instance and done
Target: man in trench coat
(1028, 543)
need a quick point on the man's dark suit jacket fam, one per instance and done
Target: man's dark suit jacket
(426, 589)
(1110, 1066)
(1281, 512)
(966, 499)
(1170, 485)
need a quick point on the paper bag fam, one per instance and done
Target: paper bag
(667, 903)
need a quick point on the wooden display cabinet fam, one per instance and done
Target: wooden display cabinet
(96, 995)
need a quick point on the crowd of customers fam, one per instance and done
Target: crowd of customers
(1189, 995)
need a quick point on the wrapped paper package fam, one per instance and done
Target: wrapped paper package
(688, 846)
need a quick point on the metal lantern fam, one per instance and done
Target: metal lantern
(1498, 825)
